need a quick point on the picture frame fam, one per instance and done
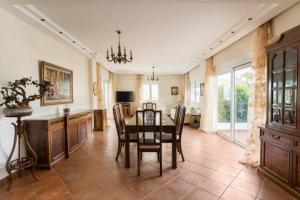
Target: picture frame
(201, 89)
(61, 80)
(174, 90)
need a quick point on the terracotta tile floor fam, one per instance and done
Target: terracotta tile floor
(211, 171)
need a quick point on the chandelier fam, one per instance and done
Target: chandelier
(153, 78)
(119, 57)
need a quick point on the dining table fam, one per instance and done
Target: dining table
(168, 126)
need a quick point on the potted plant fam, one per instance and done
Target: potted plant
(17, 101)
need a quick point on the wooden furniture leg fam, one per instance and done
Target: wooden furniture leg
(127, 150)
(174, 144)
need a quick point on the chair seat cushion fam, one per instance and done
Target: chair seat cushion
(132, 136)
(168, 137)
(148, 146)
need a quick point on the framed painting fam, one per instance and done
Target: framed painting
(61, 80)
(174, 90)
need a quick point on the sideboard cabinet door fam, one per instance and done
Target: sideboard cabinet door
(57, 141)
(73, 137)
(277, 160)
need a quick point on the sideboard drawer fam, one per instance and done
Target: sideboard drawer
(277, 137)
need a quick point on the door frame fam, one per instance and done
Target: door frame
(232, 122)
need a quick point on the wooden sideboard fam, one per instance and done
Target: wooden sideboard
(54, 137)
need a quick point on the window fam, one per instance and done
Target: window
(150, 92)
(195, 91)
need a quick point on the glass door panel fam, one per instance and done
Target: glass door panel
(243, 79)
(224, 105)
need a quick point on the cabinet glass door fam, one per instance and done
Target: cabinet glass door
(284, 87)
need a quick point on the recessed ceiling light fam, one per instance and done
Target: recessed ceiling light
(43, 20)
(251, 18)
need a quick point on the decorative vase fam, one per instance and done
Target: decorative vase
(17, 112)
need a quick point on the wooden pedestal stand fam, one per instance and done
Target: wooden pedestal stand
(21, 163)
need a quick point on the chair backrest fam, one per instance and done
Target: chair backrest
(180, 122)
(150, 122)
(149, 105)
(176, 117)
(117, 118)
(122, 118)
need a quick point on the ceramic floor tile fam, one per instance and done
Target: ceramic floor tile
(232, 194)
(91, 172)
(212, 187)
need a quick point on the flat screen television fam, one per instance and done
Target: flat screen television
(124, 96)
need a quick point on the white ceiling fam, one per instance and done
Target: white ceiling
(172, 35)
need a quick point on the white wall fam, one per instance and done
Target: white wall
(127, 82)
(286, 20)
(22, 46)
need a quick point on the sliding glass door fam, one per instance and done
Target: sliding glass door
(224, 105)
(233, 103)
(243, 78)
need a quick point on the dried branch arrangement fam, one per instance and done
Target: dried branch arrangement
(14, 95)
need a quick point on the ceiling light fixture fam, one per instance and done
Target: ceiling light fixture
(119, 57)
(153, 78)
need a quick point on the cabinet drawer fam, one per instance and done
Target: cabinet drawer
(277, 137)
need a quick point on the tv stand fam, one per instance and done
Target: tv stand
(127, 109)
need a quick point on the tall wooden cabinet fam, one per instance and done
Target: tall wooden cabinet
(280, 138)
(54, 137)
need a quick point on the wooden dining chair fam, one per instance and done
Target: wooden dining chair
(149, 105)
(121, 130)
(122, 117)
(176, 114)
(167, 137)
(150, 140)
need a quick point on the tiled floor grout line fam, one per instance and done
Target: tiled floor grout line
(260, 188)
(231, 182)
(162, 185)
(63, 184)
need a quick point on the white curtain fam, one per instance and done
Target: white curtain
(112, 89)
(187, 88)
(138, 91)
(100, 96)
(257, 101)
(112, 92)
(208, 116)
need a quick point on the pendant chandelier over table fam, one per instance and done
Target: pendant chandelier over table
(120, 57)
(153, 78)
